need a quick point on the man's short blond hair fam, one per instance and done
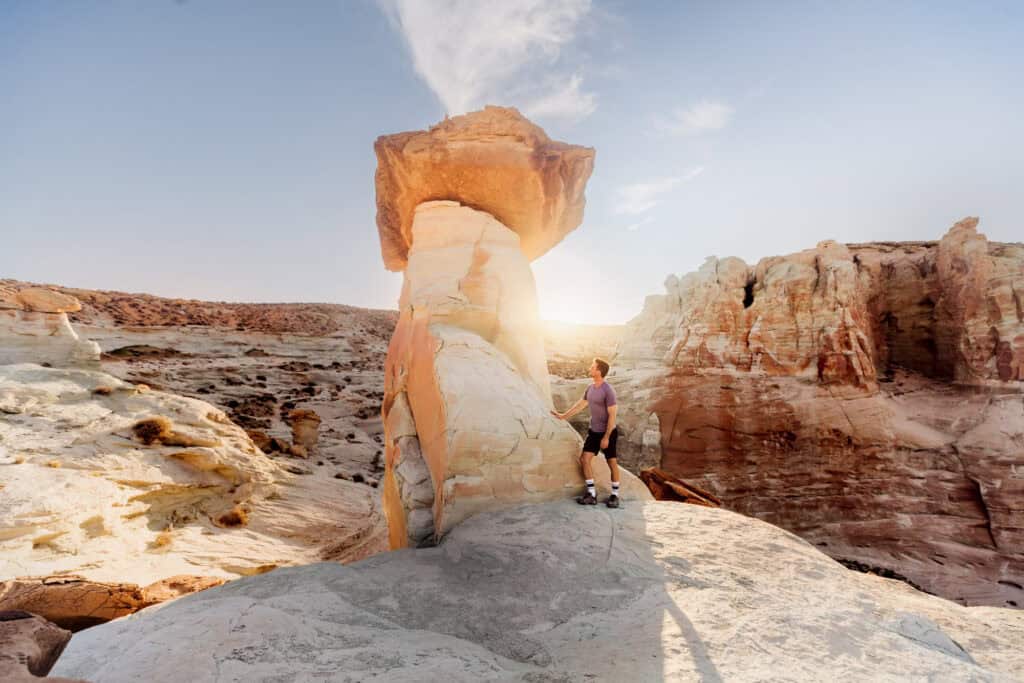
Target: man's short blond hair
(602, 366)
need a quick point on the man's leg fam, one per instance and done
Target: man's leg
(587, 463)
(613, 465)
(613, 499)
(611, 455)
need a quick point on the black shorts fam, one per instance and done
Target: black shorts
(593, 443)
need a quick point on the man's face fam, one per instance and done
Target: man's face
(594, 372)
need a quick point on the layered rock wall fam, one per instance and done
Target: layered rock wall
(867, 397)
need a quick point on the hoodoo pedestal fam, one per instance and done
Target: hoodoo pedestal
(462, 208)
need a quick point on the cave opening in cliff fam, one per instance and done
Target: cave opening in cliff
(748, 294)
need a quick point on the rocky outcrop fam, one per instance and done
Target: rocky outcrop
(123, 484)
(29, 647)
(467, 398)
(866, 397)
(305, 428)
(664, 486)
(493, 160)
(653, 591)
(34, 328)
(73, 602)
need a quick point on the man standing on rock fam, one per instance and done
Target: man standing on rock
(602, 435)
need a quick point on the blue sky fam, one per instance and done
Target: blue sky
(223, 150)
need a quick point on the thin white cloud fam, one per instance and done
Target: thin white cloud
(704, 116)
(568, 102)
(477, 52)
(640, 197)
(633, 227)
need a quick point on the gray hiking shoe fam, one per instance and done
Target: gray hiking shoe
(613, 501)
(587, 499)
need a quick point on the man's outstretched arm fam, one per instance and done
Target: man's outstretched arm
(576, 407)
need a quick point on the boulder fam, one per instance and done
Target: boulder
(75, 603)
(665, 486)
(558, 592)
(70, 601)
(494, 160)
(29, 647)
(305, 428)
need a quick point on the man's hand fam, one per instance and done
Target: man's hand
(604, 442)
(560, 416)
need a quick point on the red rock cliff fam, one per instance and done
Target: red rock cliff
(867, 397)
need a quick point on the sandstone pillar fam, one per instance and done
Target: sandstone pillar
(462, 209)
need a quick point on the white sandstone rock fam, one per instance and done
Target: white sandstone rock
(554, 592)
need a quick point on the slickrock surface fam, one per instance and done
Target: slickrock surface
(654, 591)
(867, 397)
(87, 490)
(493, 160)
(34, 328)
(462, 209)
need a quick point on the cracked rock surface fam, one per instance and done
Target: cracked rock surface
(555, 592)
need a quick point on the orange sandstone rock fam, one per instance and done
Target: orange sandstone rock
(493, 160)
(75, 603)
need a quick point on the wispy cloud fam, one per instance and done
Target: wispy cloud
(566, 102)
(704, 116)
(633, 227)
(640, 197)
(476, 52)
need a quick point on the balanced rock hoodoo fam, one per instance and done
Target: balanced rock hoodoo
(462, 209)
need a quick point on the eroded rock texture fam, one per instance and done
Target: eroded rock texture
(75, 603)
(34, 328)
(467, 398)
(868, 397)
(656, 591)
(29, 647)
(494, 160)
(120, 483)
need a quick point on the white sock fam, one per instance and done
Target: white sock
(615, 488)
(590, 488)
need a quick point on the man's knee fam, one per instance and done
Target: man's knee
(586, 456)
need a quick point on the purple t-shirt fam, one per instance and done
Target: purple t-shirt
(600, 399)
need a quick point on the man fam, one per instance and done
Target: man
(603, 433)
